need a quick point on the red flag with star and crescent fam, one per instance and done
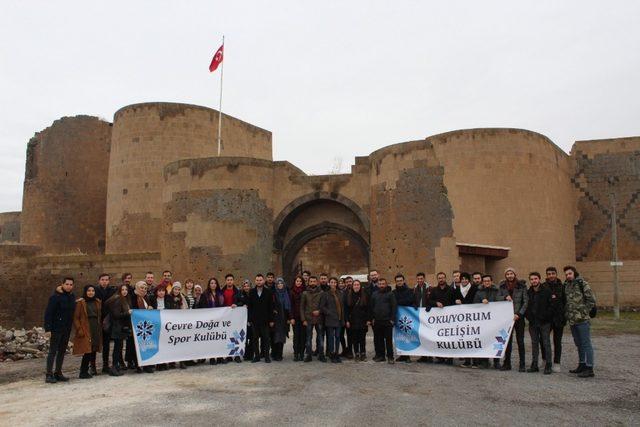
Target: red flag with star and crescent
(217, 59)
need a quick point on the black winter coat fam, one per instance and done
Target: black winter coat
(421, 295)
(558, 303)
(356, 312)
(58, 316)
(540, 309)
(491, 294)
(404, 296)
(260, 307)
(103, 294)
(471, 294)
(440, 295)
(383, 306)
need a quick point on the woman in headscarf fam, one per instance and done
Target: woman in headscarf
(282, 318)
(88, 337)
(139, 301)
(177, 301)
(120, 312)
(198, 296)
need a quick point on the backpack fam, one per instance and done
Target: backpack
(594, 310)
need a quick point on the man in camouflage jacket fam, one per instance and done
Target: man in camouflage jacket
(580, 302)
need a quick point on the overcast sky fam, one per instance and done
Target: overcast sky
(331, 80)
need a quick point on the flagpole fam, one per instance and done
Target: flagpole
(220, 108)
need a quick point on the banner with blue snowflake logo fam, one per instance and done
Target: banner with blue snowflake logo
(473, 330)
(163, 336)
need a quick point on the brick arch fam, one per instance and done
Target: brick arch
(295, 207)
(296, 243)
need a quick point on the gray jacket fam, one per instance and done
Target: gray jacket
(333, 313)
(520, 296)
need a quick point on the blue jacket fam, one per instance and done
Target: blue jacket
(59, 314)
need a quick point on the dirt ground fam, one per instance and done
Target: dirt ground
(288, 393)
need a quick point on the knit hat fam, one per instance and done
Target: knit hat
(510, 269)
(197, 287)
(177, 285)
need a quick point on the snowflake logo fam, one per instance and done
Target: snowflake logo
(405, 324)
(144, 330)
(235, 342)
(501, 342)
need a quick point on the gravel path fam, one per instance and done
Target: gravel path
(288, 393)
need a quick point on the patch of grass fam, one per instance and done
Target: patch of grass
(605, 324)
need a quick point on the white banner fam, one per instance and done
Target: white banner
(473, 330)
(163, 336)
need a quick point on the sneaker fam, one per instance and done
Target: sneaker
(556, 369)
(50, 379)
(390, 361)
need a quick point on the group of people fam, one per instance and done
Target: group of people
(338, 310)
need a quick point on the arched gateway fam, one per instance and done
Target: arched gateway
(322, 231)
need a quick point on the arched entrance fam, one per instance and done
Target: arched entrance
(322, 232)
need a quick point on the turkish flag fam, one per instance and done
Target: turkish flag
(217, 59)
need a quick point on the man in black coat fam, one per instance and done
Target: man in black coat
(58, 320)
(260, 307)
(405, 298)
(383, 309)
(558, 303)
(465, 293)
(539, 314)
(442, 296)
(103, 292)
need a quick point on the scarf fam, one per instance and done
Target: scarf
(283, 298)
(84, 293)
(464, 290)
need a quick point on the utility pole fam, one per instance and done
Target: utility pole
(614, 252)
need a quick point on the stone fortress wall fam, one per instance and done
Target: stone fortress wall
(149, 192)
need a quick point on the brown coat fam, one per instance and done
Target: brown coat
(82, 338)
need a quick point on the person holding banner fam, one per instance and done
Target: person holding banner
(465, 293)
(177, 301)
(383, 309)
(442, 296)
(261, 318)
(404, 298)
(356, 316)
(139, 301)
(486, 294)
(517, 291)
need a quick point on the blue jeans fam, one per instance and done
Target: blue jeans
(582, 338)
(333, 338)
(319, 338)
